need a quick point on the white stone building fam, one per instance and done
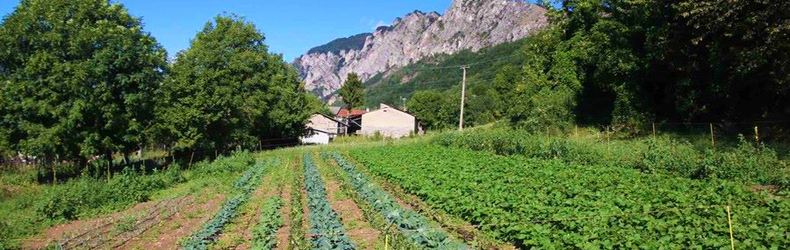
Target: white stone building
(389, 122)
(322, 129)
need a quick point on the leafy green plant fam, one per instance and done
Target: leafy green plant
(540, 203)
(265, 234)
(206, 236)
(411, 224)
(325, 227)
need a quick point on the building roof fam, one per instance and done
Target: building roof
(344, 113)
(330, 118)
(334, 109)
(383, 106)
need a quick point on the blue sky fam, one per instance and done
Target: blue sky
(291, 26)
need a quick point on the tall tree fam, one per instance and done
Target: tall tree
(353, 91)
(433, 110)
(78, 79)
(227, 91)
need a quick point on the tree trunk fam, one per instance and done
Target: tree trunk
(54, 175)
(108, 156)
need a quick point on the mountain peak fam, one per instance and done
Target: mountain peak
(468, 24)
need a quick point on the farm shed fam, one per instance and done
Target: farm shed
(389, 122)
(321, 129)
(351, 117)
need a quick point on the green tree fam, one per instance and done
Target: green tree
(353, 92)
(431, 108)
(545, 96)
(227, 91)
(78, 79)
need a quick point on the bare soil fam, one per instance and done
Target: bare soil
(245, 222)
(93, 233)
(168, 233)
(283, 233)
(360, 232)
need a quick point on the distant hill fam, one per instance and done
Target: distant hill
(439, 73)
(354, 42)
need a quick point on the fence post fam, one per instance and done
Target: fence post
(756, 135)
(732, 238)
(654, 129)
(386, 241)
(712, 138)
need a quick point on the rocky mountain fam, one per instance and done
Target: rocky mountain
(468, 24)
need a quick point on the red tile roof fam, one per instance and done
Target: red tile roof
(344, 113)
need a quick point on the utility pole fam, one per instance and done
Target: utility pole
(463, 96)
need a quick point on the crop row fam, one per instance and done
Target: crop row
(548, 204)
(243, 188)
(265, 234)
(411, 224)
(325, 228)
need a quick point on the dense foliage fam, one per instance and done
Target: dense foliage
(77, 79)
(250, 180)
(627, 62)
(226, 91)
(352, 92)
(354, 42)
(747, 163)
(325, 228)
(434, 109)
(411, 224)
(550, 204)
(77, 197)
(265, 234)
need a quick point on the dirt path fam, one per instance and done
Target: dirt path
(357, 227)
(168, 233)
(285, 193)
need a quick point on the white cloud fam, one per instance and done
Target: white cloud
(379, 24)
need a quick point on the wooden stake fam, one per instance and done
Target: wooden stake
(732, 238)
(654, 129)
(191, 157)
(577, 131)
(712, 138)
(756, 135)
(386, 241)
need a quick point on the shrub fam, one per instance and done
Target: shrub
(80, 196)
(747, 163)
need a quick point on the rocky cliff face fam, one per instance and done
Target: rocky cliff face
(468, 24)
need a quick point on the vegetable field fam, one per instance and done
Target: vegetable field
(428, 195)
(549, 204)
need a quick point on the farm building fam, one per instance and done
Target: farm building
(389, 122)
(351, 117)
(322, 129)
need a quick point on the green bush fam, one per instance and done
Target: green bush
(77, 197)
(670, 156)
(747, 163)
